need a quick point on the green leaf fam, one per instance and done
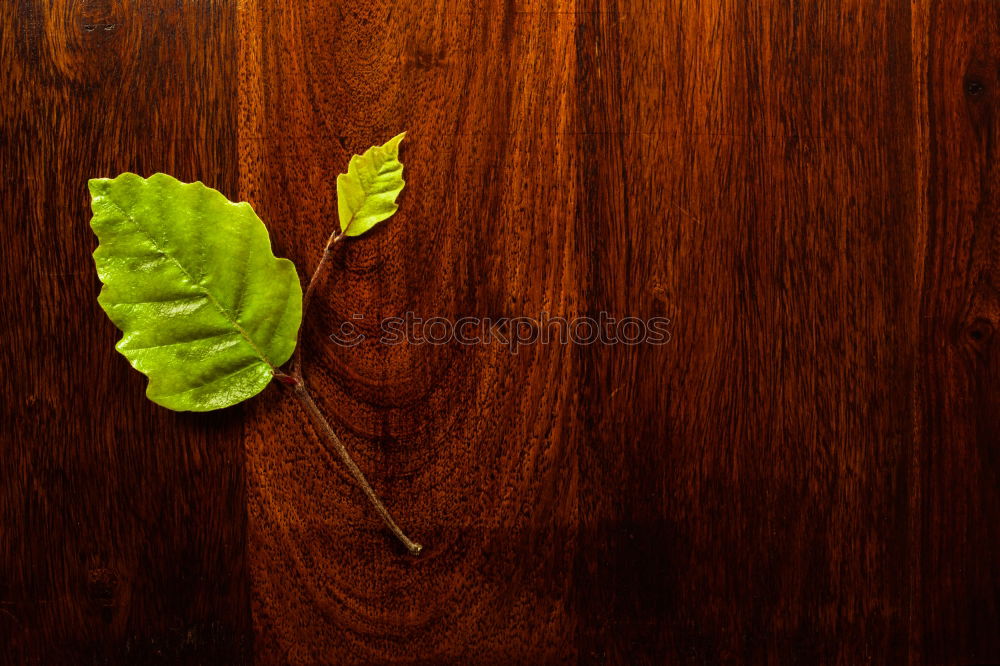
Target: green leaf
(367, 193)
(206, 309)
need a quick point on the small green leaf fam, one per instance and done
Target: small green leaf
(367, 193)
(206, 309)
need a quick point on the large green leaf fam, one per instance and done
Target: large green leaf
(367, 193)
(206, 309)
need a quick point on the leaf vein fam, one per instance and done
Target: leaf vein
(182, 342)
(194, 283)
(214, 381)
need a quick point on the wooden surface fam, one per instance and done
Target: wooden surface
(809, 472)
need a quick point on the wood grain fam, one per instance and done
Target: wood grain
(472, 447)
(756, 183)
(122, 526)
(958, 390)
(806, 473)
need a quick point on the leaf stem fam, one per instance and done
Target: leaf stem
(324, 426)
(296, 381)
(334, 238)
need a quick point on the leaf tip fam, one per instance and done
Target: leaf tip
(393, 143)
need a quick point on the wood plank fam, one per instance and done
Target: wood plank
(471, 447)
(122, 525)
(958, 394)
(806, 473)
(750, 173)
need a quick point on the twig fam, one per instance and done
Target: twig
(324, 426)
(296, 381)
(334, 238)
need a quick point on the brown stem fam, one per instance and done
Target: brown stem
(324, 426)
(334, 238)
(296, 380)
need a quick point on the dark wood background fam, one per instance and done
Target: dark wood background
(808, 473)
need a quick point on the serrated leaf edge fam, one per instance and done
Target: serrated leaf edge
(394, 144)
(187, 274)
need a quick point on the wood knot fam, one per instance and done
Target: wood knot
(102, 586)
(91, 40)
(979, 332)
(974, 87)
